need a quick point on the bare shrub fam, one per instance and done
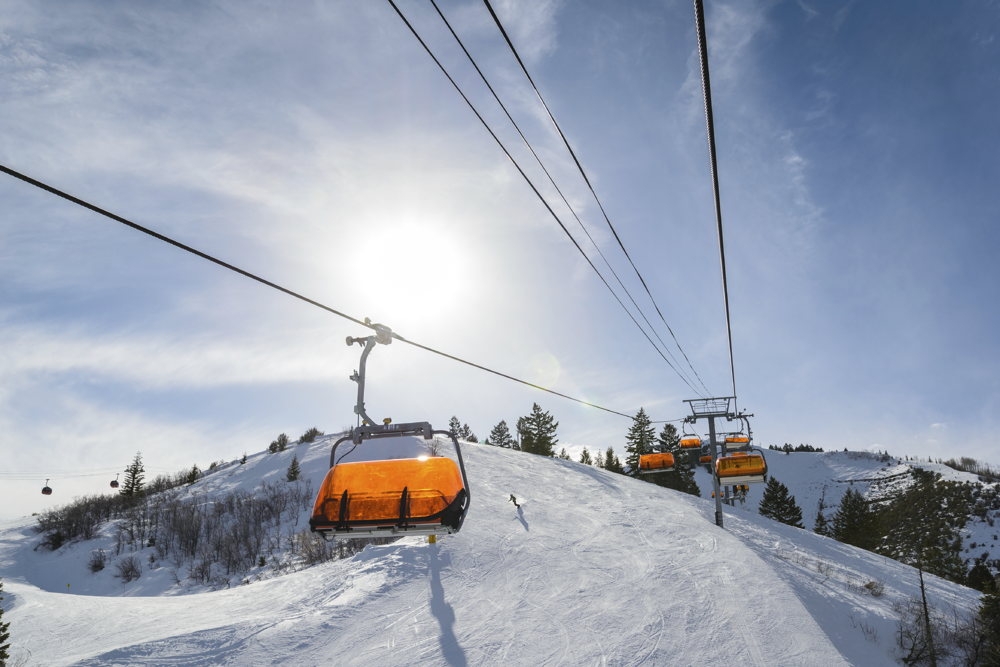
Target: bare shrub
(433, 447)
(129, 569)
(313, 549)
(201, 571)
(98, 560)
(875, 588)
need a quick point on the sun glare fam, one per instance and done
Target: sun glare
(411, 273)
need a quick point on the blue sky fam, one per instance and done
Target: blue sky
(323, 150)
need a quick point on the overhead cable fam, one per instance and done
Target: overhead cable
(247, 274)
(545, 170)
(706, 86)
(586, 180)
(534, 189)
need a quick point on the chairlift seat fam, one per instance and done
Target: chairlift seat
(741, 468)
(655, 462)
(373, 498)
(690, 442)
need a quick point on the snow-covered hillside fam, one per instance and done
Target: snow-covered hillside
(594, 568)
(811, 476)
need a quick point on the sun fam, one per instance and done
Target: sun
(411, 273)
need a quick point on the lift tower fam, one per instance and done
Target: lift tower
(710, 408)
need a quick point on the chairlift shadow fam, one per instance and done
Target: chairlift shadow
(451, 650)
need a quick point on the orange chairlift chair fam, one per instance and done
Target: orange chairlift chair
(426, 495)
(690, 441)
(737, 441)
(655, 462)
(741, 464)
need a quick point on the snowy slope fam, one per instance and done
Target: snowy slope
(810, 476)
(595, 568)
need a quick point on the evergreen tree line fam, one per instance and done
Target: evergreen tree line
(536, 434)
(787, 448)
(921, 526)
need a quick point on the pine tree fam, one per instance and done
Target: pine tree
(465, 433)
(638, 441)
(854, 522)
(293, 472)
(989, 619)
(822, 526)
(981, 578)
(778, 504)
(279, 444)
(564, 455)
(135, 474)
(599, 459)
(585, 457)
(612, 462)
(500, 436)
(308, 436)
(538, 431)
(192, 475)
(4, 633)
(669, 439)
(921, 525)
(455, 426)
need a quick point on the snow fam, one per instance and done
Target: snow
(593, 568)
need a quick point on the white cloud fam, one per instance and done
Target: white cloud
(162, 361)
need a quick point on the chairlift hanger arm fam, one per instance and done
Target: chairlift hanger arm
(383, 335)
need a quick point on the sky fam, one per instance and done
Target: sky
(593, 567)
(323, 150)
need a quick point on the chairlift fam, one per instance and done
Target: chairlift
(425, 495)
(741, 468)
(705, 458)
(114, 482)
(655, 462)
(690, 442)
(737, 441)
(46, 490)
